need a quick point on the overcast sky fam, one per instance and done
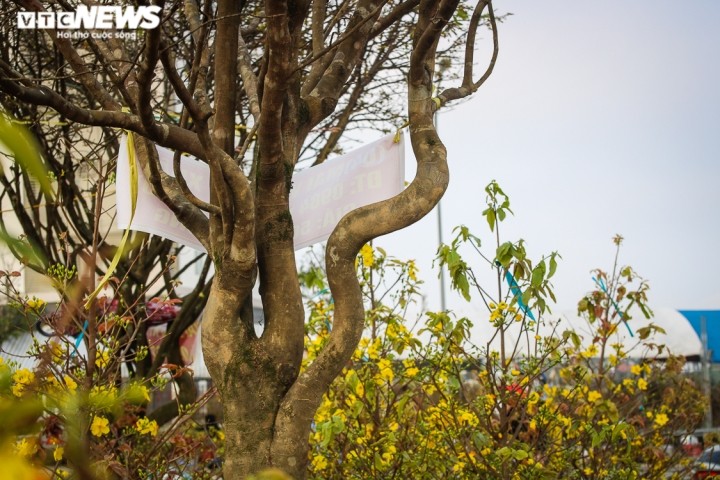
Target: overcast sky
(600, 118)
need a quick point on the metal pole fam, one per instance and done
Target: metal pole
(443, 305)
(707, 386)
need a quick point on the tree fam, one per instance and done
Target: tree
(68, 233)
(283, 71)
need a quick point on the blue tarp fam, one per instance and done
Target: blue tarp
(712, 318)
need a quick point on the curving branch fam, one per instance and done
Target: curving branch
(362, 225)
(468, 86)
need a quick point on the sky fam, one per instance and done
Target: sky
(600, 118)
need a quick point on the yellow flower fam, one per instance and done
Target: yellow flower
(102, 359)
(319, 462)
(22, 378)
(367, 255)
(661, 419)
(594, 396)
(642, 384)
(58, 453)
(590, 352)
(385, 372)
(146, 426)
(36, 303)
(70, 383)
(636, 369)
(99, 426)
(57, 351)
(389, 453)
(25, 448)
(412, 270)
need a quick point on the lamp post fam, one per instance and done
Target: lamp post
(443, 305)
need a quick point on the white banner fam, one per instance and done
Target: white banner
(319, 198)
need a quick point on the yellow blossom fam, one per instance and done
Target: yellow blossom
(412, 270)
(590, 352)
(58, 453)
(22, 378)
(661, 419)
(412, 371)
(642, 384)
(367, 255)
(389, 453)
(26, 448)
(385, 372)
(636, 369)
(57, 351)
(102, 358)
(146, 426)
(319, 462)
(594, 396)
(70, 383)
(99, 426)
(36, 304)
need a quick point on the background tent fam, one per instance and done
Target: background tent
(680, 338)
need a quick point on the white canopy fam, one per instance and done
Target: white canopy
(679, 337)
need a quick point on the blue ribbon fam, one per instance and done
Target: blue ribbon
(600, 283)
(79, 339)
(517, 293)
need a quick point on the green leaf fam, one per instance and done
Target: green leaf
(644, 332)
(25, 149)
(503, 452)
(520, 454)
(378, 462)
(553, 266)
(598, 438)
(504, 254)
(461, 283)
(24, 250)
(538, 274)
(480, 440)
(490, 217)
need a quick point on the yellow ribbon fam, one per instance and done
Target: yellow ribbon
(133, 197)
(398, 132)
